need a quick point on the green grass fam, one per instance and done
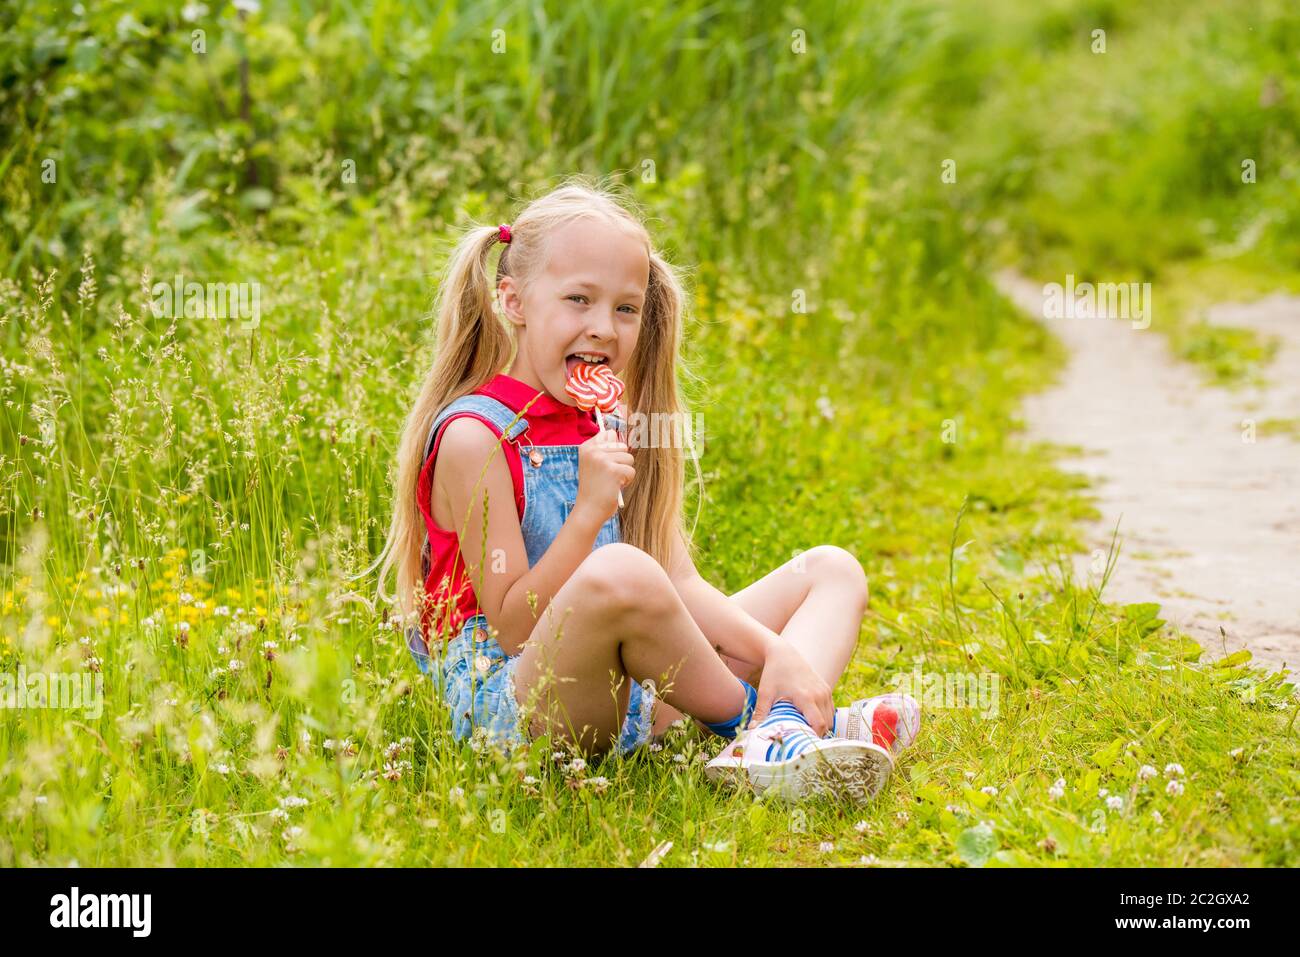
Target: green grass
(155, 471)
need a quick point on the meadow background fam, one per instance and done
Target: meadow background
(184, 502)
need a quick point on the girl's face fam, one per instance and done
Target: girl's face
(587, 300)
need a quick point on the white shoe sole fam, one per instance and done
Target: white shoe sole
(839, 768)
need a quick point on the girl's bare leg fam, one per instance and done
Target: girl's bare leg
(618, 619)
(816, 602)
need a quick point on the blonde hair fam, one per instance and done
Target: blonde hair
(474, 344)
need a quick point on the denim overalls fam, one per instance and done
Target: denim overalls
(477, 676)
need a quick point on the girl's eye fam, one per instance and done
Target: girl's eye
(631, 310)
(577, 297)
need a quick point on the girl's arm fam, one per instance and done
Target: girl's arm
(732, 630)
(493, 551)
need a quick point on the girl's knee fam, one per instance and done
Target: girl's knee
(622, 578)
(834, 564)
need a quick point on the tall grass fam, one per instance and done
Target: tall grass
(184, 500)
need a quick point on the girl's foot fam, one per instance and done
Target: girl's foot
(782, 755)
(891, 721)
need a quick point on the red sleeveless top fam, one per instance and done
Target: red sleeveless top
(550, 422)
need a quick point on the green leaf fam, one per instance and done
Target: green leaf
(1090, 782)
(930, 794)
(1012, 561)
(976, 845)
(1160, 727)
(1144, 617)
(1107, 755)
(1234, 659)
(1141, 612)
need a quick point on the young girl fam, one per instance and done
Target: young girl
(545, 607)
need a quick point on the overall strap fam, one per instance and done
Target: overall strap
(508, 422)
(504, 421)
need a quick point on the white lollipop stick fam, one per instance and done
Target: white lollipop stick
(600, 423)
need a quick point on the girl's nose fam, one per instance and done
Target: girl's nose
(602, 327)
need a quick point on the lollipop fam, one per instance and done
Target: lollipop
(595, 386)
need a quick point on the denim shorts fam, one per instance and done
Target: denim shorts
(478, 685)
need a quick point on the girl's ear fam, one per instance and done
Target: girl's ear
(508, 297)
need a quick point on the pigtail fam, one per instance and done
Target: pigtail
(472, 345)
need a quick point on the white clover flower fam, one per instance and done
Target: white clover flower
(292, 833)
(1115, 803)
(1174, 788)
(868, 860)
(1160, 818)
(577, 766)
(456, 794)
(990, 790)
(290, 801)
(826, 847)
(279, 815)
(679, 758)
(861, 827)
(1056, 791)
(1174, 770)
(1146, 772)
(236, 665)
(1102, 792)
(221, 768)
(183, 625)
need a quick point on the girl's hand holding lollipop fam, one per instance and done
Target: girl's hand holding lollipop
(596, 387)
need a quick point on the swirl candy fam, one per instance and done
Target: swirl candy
(594, 386)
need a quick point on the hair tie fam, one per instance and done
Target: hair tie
(503, 233)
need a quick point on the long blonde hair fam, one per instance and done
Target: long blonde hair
(474, 344)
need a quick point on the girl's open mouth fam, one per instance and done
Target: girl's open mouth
(572, 362)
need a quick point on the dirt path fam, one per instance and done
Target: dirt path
(1209, 523)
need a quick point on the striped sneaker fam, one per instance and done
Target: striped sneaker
(891, 721)
(784, 756)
